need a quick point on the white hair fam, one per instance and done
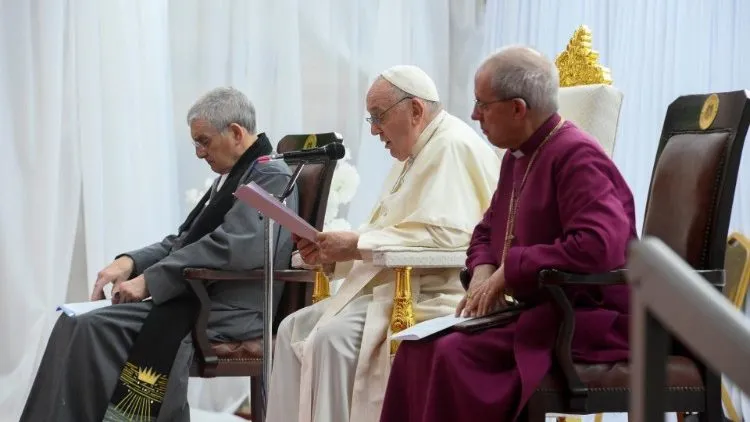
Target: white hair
(522, 72)
(223, 106)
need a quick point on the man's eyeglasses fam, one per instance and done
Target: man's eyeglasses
(376, 120)
(482, 106)
(202, 144)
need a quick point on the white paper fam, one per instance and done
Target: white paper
(80, 308)
(428, 328)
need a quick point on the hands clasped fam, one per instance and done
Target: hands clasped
(328, 248)
(486, 293)
(123, 290)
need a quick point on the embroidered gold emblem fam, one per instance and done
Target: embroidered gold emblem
(145, 387)
(709, 111)
(148, 376)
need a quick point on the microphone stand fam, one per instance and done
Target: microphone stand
(268, 292)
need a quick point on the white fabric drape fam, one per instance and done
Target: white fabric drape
(656, 51)
(40, 175)
(123, 97)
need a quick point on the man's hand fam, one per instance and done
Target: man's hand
(338, 246)
(308, 251)
(134, 290)
(118, 271)
(485, 294)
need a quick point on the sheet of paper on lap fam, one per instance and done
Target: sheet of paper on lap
(428, 328)
(80, 308)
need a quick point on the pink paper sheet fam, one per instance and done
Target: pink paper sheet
(269, 206)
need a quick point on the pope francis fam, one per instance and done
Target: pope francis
(331, 359)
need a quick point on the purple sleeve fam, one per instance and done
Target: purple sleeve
(480, 248)
(591, 197)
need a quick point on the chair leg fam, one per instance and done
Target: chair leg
(257, 407)
(714, 410)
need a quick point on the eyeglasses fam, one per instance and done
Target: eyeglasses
(376, 120)
(202, 144)
(482, 106)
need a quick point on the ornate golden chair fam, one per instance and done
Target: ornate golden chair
(586, 98)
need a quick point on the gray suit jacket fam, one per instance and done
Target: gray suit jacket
(237, 244)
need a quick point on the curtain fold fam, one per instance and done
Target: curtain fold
(41, 181)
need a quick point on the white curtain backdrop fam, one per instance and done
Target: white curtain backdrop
(657, 51)
(97, 158)
(40, 175)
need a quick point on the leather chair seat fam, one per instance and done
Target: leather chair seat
(681, 373)
(609, 386)
(247, 350)
(237, 358)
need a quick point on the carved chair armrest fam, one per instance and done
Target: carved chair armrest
(562, 278)
(403, 260)
(196, 279)
(563, 347)
(415, 257)
(203, 275)
(553, 282)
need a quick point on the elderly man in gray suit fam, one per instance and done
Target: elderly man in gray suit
(130, 360)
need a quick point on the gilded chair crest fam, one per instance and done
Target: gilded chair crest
(586, 96)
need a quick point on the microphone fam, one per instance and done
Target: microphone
(332, 151)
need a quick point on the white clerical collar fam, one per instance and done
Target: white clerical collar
(222, 178)
(217, 185)
(517, 153)
(427, 133)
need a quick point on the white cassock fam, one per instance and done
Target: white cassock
(332, 359)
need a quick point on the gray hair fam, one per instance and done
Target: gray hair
(223, 106)
(522, 72)
(433, 107)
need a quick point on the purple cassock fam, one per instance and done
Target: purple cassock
(575, 213)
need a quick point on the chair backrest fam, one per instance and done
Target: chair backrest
(313, 186)
(694, 175)
(737, 266)
(586, 96)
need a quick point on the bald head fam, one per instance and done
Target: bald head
(522, 72)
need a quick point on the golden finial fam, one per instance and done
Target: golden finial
(579, 63)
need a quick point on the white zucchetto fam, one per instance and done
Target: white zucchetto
(413, 81)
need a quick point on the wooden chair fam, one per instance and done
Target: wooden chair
(689, 207)
(737, 266)
(243, 359)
